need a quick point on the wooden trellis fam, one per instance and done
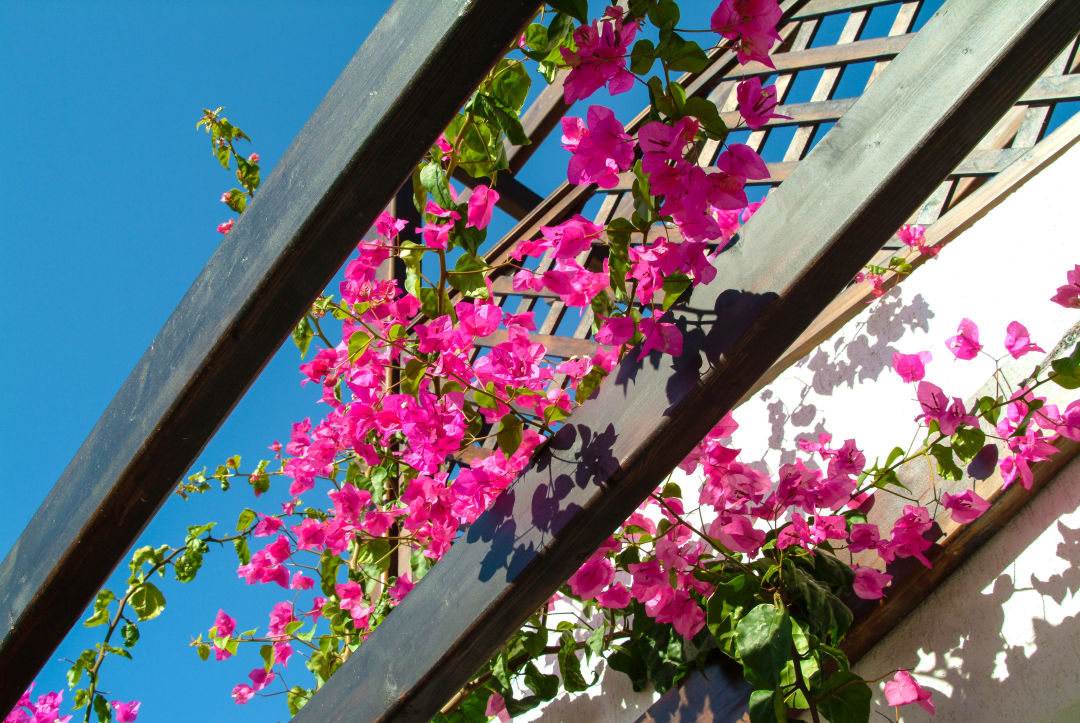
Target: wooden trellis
(892, 150)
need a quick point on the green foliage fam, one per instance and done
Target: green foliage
(763, 642)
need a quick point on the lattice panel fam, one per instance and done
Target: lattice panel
(831, 51)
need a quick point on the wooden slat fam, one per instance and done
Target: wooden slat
(855, 188)
(560, 346)
(817, 8)
(397, 94)
(1045, 90)
(857, 52)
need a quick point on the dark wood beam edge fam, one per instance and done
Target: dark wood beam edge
(797, 253)
(397, 94)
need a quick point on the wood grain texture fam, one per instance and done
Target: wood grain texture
(836, 210)
(397, 94)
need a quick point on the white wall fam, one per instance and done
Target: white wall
(1000, 637)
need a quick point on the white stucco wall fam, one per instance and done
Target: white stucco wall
(1000, 637)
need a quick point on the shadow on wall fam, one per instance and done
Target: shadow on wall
(855, 360)
(1000, 641)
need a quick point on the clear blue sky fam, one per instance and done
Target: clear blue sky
(108, 208)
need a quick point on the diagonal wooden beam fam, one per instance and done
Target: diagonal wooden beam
(836, 210)
(397, 94)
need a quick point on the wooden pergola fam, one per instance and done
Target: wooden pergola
(952, 117)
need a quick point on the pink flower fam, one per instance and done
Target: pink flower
(965, 345)
(741, 160)
(738, 534)
(1069, 294)
(401, 588)
(223, 625)
(226, 196)
(242, 693)
(616, 597)
(752, 24)
(864, 536)
(260, 678)
(1018, 341)
(869, 582)
(662, 336)
(756, 105)
(600, 58)
(496, 706)
(965, 507)
(125, 712)
(481, 203)
(601, 149)
(227, 226)
(684, 613)
(592, 577)
(904, 689)
(936, 407)
(911, 367)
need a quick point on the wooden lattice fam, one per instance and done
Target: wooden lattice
(832, 73)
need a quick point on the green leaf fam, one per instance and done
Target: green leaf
(1067, 370)
(245, 520)
(967, 442)
(642, 57)
(706, 112)
(763, 707)
(555, 413)
(664, 13)
(763, 639)
(674, 286)
(102, 709)
(946, 466)
(500, 670)
(590, 383)
(101, 609)
(594, 644)
(845, 698)
(130, 633)
(204, 651)
(545, 686)
(577, 9)
(479, 145)
(297, 698)
(147, 601)
(509, 84)
(468, 276)
(684, 55)
(302, 335)
(143, 555)
(989, 409)
(489, 107)
(433, 179)
(727, 605)
(243, 553)
(510, 434)
(570, 666)
(358, 343)
(823, 613)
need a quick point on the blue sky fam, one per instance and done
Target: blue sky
(108, 208)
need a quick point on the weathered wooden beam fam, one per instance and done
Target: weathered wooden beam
(857, 186)
(397, 94)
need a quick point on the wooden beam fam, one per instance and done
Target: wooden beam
(397, 94)
(856, 187)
